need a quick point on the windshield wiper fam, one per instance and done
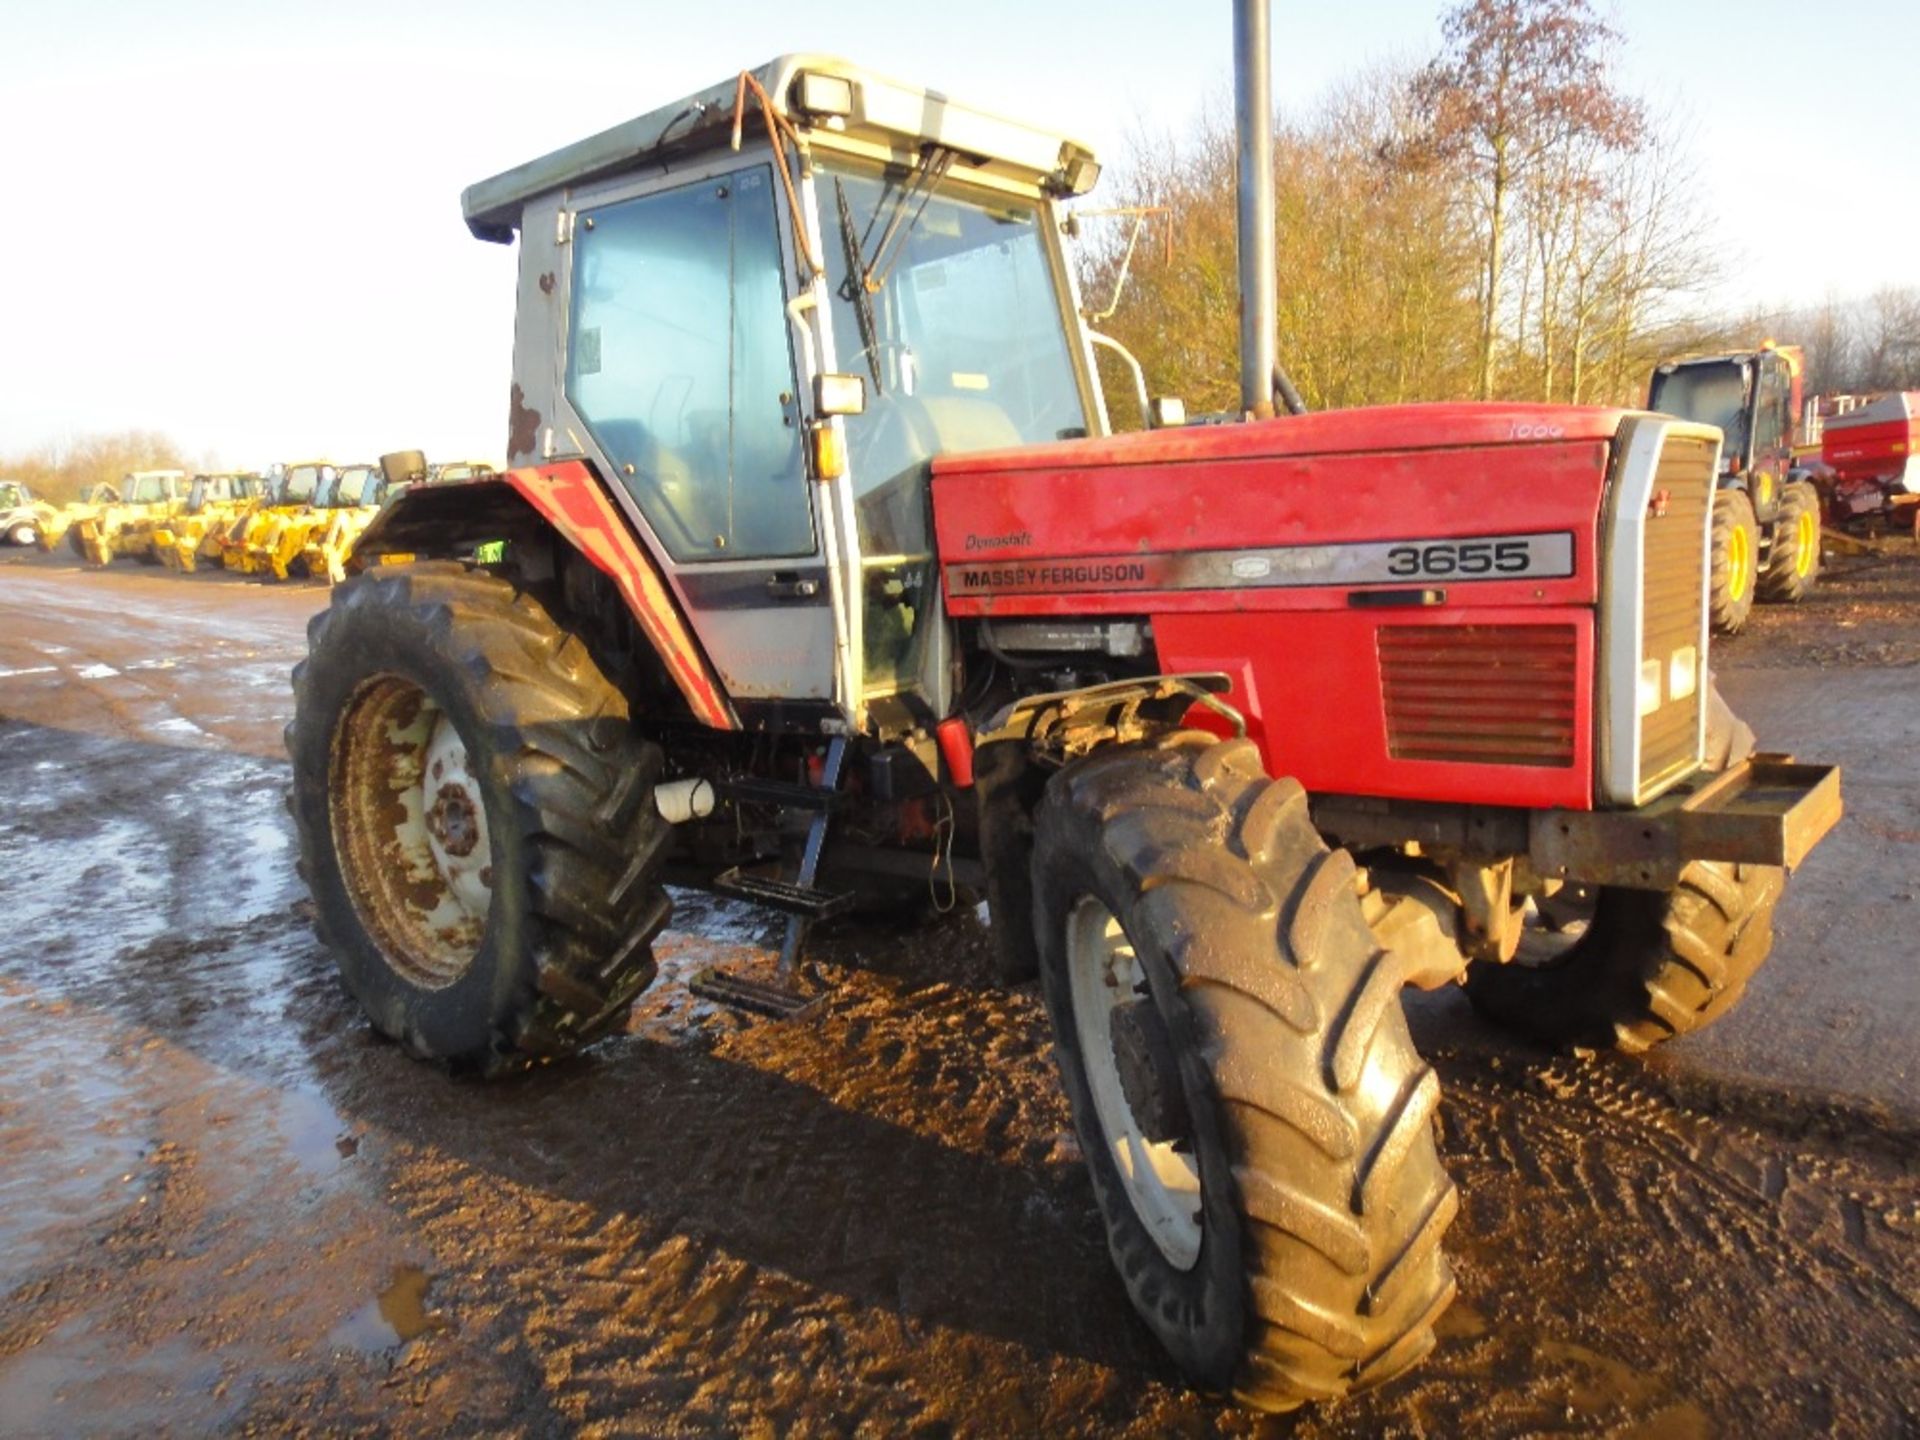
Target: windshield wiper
(935, 161)
(865, 277)
(855, 290)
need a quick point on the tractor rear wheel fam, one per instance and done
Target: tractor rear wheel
(1257, 1123)
(1733, 556)
(1793, 559)
(476, 818)
(23, 534)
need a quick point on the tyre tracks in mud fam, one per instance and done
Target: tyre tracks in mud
(1663, 1268)
(878, 1223)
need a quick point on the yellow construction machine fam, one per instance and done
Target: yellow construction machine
(53, 523)
(354, 489)
(328, 547)
(214, 503)
(251, 543)
(116, 529)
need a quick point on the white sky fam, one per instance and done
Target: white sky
(239, 224)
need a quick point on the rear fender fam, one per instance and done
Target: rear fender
(563, 500)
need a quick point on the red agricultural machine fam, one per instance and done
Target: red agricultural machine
(1872, 451)
(818, 573)
(1766, 509)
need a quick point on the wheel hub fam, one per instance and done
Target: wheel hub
(1143, 1056)
(1139, 1105)
(410, 831)
(454, 821)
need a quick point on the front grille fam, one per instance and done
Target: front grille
(1671, 598)
(1480, 694)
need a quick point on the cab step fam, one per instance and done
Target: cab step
(786, 896)
(761, 997)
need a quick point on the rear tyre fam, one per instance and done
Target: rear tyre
(1632, 969)
(1735, 548)
(22, 535)
(1793, 559)
(1256, 1121)
(475, 816)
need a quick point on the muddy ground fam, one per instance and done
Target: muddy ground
(225, 1206)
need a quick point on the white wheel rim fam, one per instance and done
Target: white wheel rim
(1162, 1183)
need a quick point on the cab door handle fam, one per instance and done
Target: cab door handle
(791, 587)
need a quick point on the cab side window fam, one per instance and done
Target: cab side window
(679, 360)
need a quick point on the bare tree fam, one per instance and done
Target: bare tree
(1375, 275)
(1517, 84)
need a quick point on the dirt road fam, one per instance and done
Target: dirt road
(225, 1206)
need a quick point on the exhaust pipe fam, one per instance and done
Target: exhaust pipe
(1253, 116)
(1262, 381)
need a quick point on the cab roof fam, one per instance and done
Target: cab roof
(879, 110)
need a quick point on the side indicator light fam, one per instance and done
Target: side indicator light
(829, 451)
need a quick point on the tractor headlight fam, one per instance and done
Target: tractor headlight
(1683, 672)
(1649, 687)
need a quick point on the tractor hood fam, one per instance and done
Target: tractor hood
(1259, 515)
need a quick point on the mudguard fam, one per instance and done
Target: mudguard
(567, 498)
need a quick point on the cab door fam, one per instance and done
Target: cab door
(679, 365)
(1771, 440)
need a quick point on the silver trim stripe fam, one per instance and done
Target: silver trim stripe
(1452, 560)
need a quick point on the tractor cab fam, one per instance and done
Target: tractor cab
(765, 355)
(306, 483)
(1752, 397)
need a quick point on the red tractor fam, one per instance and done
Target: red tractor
(817, 570)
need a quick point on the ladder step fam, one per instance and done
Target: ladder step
(754, 790)
(759, 996)
(783, 895)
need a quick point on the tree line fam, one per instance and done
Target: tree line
(1500, 222)
(60, 473)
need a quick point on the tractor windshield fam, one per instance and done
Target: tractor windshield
(300, 484)
(356, 486)
(1714, 393)
(146, 489)
(945, 302)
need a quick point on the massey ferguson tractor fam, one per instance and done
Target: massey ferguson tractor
(818, 575)
(1766, 510)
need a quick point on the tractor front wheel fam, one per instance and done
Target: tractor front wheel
(476, 818)
(1734, 560)
(1629, 969)
(1793, 558)
(1256, 1121)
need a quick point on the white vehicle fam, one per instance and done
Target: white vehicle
(19, 520)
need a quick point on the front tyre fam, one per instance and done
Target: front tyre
(1733, 557)
(475, 816)
(1631, 969)
(1255, 1119)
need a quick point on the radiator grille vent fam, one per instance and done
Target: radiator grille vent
(1670, 607)
(1480, 694)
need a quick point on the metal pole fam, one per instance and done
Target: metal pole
(1253, 109)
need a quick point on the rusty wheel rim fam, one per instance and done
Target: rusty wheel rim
(410, 831)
